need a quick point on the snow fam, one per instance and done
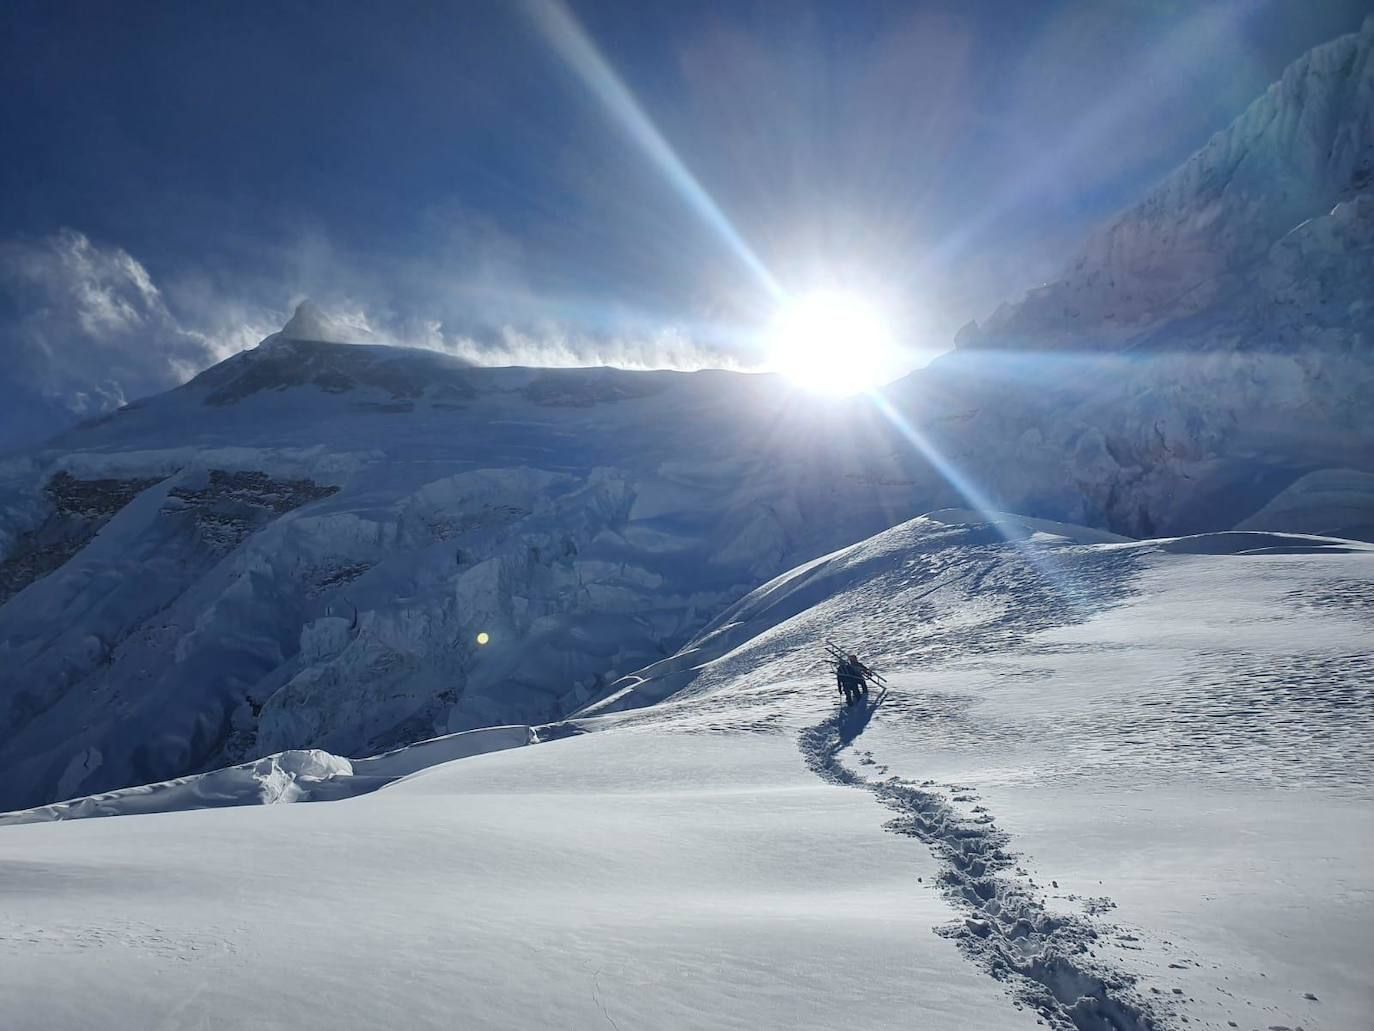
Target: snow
(1184, 732)
(1127, 778)
(310, 322)
(1302, 149)
(1207, 349)
(1210, 774)
(401, 762)
(284, 777)
(635, 879)
(299, 775)
(1120, 774)
(299, 548)
(1012, 526)
(1334, 502)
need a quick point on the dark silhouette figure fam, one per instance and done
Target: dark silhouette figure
(852, 677)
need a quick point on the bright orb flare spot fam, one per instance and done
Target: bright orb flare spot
(830, 342)
(483, 637)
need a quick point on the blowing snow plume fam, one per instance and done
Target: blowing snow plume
(89, 331)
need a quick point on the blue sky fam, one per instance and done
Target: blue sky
(441, 172)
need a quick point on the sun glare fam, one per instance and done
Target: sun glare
(830, 342)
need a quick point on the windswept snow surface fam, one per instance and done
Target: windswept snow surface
(631, 880)
(1111, 784)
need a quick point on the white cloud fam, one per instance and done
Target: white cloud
(90, 330)
(104, 291)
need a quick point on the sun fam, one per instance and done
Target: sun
(831, 342)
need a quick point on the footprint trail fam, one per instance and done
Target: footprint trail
(1045, 958)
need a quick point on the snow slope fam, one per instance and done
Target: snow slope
(1176, 732)
(1302, 148)
(1110, 784)
(632, 880)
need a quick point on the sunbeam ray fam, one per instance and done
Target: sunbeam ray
(1187, 45)
(1005, 524)
(560, 29)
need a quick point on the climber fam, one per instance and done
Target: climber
(852, 678)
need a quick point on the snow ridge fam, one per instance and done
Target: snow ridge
(296, 775)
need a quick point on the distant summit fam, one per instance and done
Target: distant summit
(309, 322)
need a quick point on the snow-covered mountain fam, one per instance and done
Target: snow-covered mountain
(1209, 347)
(1302, 149)
(298, 549)
(1111, 785)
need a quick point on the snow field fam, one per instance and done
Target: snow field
(680, 880)
(1170, 741)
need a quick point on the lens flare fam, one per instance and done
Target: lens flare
(830, 342)
(1040, 559)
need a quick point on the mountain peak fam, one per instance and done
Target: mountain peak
(309, 322)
